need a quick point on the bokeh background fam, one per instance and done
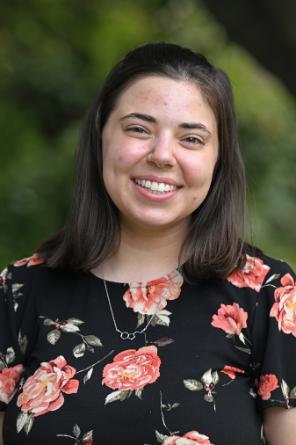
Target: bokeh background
(53, 57)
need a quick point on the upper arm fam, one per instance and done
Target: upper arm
(1, 427)
(280, 426)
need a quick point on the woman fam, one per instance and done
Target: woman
(147, 319)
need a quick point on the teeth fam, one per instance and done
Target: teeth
(159, 187)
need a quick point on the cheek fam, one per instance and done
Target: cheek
(198, 172)
(122, 156)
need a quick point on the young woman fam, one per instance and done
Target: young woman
(147, 319)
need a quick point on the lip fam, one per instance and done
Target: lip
(158, 179)
(154, 197)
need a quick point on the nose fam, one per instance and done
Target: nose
(162, 151)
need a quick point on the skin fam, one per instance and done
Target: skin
(148, 135)
(280, 426)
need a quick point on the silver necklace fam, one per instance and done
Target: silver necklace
(125, 335)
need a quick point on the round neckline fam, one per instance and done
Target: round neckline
(171, 275)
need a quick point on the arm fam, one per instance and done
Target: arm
(280, 426)
(1, 427)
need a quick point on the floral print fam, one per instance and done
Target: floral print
(284, 308)
(86, 439)
(4, 279)
(198, 378)
(43, 391)
(191, 438)
(151, 297)
(9, 378)
(209, 380)
(252, 275)
(267, 384)
(230, 318)
(33, 260)
(132, 370)
(71, 326)
(231, 371)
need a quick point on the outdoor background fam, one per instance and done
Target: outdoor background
(53, 57)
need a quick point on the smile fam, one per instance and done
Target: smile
(156, 187)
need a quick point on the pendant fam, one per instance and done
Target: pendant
(127, 335)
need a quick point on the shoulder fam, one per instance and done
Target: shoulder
(29, 271)
(258, 270)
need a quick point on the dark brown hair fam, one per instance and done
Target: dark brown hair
(214, 244)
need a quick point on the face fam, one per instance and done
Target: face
(160, 147)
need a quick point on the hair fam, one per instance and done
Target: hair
(214, 244)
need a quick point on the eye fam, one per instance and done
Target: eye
(136, 129)
(193, 140)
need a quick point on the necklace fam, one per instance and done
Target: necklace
(125, 335)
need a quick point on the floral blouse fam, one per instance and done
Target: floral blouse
(206, 360)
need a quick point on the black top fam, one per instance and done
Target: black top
(214, 355)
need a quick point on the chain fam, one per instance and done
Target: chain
(125, 335)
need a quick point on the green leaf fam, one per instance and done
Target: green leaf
(285, 389)
(16, 287)
(246, 350)
(75, 321)
(79, 350)
(88, 375)
(23, 342)
(92, 340)
(293, 393)
(138, 393)
(163, 341)
(160, 437)
(48, 322)
(29, 423)
(207, 377)
(215, 376)
(193, 385)
(117, 395)
(53, 336)
(87, 436)
(10, 355)
(76, 430)
(141, 319)
(275, 276)
(21, 421)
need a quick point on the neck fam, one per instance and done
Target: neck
(143, 255)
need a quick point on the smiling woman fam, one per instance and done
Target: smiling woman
(149, 295)
(158, 169)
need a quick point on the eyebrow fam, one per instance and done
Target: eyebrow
(148, 118)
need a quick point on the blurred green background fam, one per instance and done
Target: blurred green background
(54, 55)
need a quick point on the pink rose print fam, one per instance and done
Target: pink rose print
(267, 384)
(191, 438)
(33, 260)
(43, 391)
(230, 318)
(231, 371)
(8, 380)
(284, 308)
(252, 275)
(151, 297)
(132, 369)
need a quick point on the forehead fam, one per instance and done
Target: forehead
(155, 93)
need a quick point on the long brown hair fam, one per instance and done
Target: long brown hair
(214, 244)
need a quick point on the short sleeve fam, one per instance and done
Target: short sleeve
(17, 328)
(274, 339)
